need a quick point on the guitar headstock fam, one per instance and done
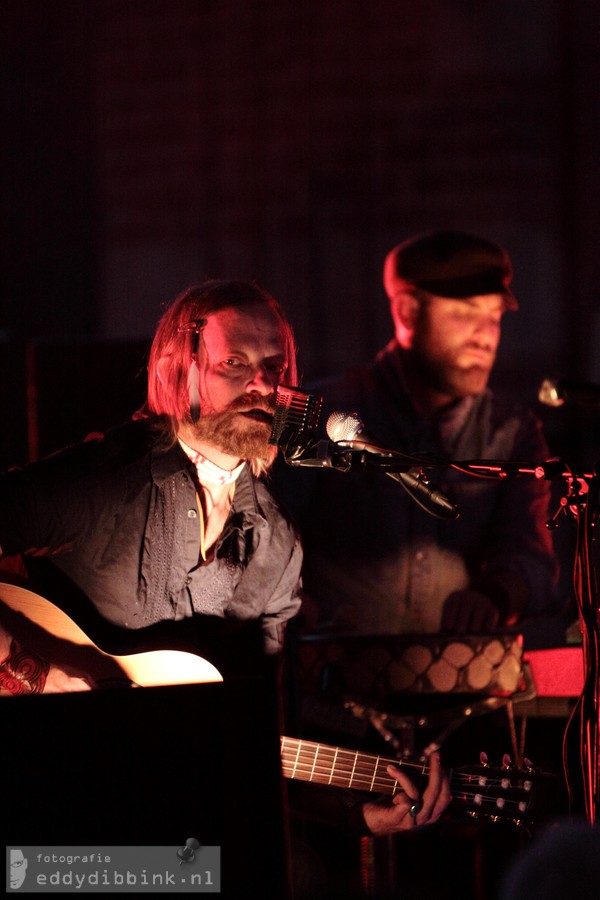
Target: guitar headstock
(499, 792)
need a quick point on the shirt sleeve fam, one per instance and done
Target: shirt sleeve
(284, 602)
(336, 807)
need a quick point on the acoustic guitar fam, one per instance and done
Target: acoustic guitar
(43, 627)
(497, 792)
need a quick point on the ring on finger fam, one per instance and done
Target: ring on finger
(415, 809)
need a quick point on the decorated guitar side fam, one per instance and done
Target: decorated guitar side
(41, 626)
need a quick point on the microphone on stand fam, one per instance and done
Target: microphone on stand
(296, 414)
(348, 430)
(558, 391)
(294, 427)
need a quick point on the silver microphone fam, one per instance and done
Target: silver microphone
(348, 430)
(558, 391)
(296, 413)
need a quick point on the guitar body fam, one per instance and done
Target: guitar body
(42, 627)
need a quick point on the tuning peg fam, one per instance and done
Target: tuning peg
(483, 759)
(506, 761)
(527, 764)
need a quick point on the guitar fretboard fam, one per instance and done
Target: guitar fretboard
(323, 764)
(501, 792)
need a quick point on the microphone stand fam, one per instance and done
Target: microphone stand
(580, 502)
(583, 506)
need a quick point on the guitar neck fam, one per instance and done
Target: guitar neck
(501, 792)
(337, 766)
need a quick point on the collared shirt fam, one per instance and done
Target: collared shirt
(118, 516)
(375, 561)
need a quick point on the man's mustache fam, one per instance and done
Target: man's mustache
(246, 404)
(476, 345)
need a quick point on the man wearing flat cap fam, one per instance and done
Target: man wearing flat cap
(383, 560)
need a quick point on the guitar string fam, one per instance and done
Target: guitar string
(499, 803)
(365, 778)
(317, 755)
(351, 771)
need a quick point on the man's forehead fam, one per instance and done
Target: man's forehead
(487, 302)
(251, 324)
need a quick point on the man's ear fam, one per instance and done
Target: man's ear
(404, 308)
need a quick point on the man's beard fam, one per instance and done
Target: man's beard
(466, 382)
(238, 435)
(445, 377)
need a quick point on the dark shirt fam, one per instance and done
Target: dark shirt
(118, 516)
(375, 562)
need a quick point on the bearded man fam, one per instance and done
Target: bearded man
(166, 517)
(375, 561)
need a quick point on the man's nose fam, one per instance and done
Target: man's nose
(489, 328)
(263, 381)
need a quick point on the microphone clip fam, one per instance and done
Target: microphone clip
(294, 431)
(317, 454)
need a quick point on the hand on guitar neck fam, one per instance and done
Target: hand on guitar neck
(384, 818)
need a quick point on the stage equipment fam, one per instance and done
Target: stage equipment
(351, 446)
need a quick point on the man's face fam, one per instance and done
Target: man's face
(18, 868)
(244, 361)
(455, 342)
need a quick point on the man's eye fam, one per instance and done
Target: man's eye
(278, 368)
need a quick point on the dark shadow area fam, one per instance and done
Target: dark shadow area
(153, 766)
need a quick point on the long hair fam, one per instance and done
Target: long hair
(168, 394)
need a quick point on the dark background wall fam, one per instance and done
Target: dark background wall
(149, 144)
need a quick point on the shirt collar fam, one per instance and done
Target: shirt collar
(208, 472)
